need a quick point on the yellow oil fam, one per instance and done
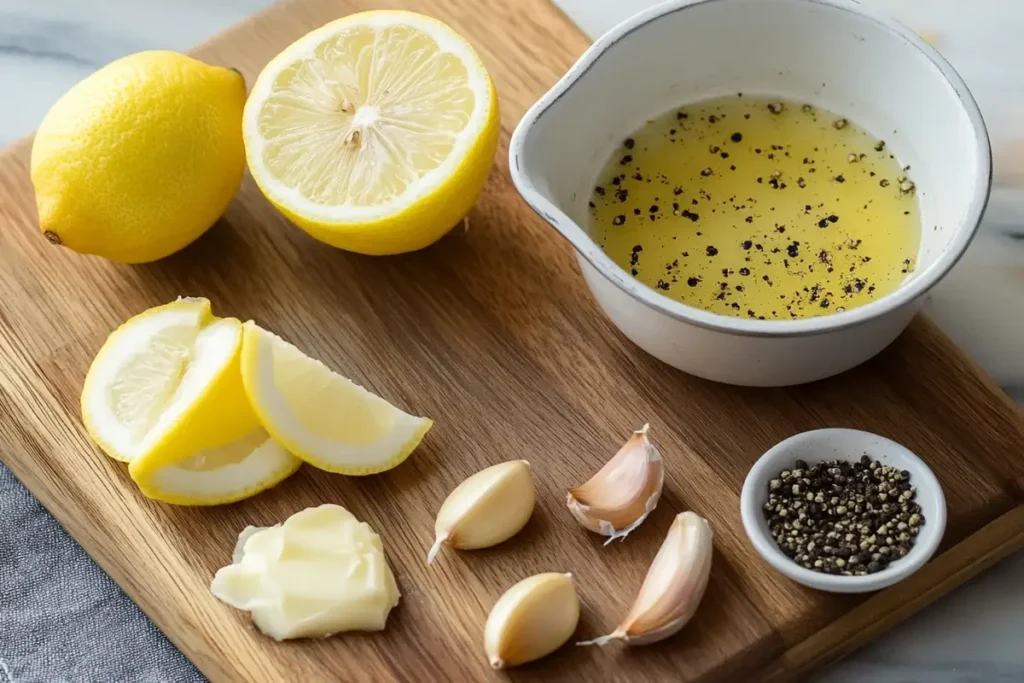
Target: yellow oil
(758, 208)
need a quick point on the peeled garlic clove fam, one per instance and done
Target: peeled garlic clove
(674, 585)
(486, 509)
(620, 496)
(532, 619)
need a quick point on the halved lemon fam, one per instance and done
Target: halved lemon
(320, 416)
(374, 133)
(225, 474)
(166, 384)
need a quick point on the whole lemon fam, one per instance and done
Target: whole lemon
(140, 158)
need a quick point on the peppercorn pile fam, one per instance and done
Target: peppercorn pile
(850, 518)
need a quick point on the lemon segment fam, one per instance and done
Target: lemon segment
(374, 133)
(320, 416)
(140, 158)
(166, 384)
(225, 474)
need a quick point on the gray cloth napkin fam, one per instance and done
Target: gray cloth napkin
(62, 619)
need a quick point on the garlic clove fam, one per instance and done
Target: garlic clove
(674, 585)
(486, 509)
(619, 497)
(533, 618)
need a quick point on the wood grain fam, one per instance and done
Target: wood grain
(493, 334)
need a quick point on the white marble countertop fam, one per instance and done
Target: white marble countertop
(976, 634)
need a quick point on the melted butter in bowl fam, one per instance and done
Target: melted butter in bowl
(758, 208)
(846, 61)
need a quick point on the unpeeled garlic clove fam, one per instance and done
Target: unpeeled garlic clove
(533, 618)
(489, 507)
(674, 585)
(621, 495)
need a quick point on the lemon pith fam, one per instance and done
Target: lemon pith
(320, 416)
(141, 158)
(374, 133)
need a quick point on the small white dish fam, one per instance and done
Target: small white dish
(838, 54)
(843, 444)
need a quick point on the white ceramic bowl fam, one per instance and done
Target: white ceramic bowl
(843, 444)
(834, 53)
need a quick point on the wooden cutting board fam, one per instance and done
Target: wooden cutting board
(493, 334)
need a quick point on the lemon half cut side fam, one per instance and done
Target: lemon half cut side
(374, 133)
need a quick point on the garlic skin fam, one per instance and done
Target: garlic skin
(486, 509)
(533, 618)
(619, 497)
(673, 587)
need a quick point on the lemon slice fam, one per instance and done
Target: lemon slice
(225, 474)
(374, 133)
(320, 416)
(166, 384)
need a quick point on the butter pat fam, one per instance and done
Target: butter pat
(320, 573)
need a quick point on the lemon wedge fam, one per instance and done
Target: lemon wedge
(166, 384)
(320, 416)
(214, 476)
(374, 133)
